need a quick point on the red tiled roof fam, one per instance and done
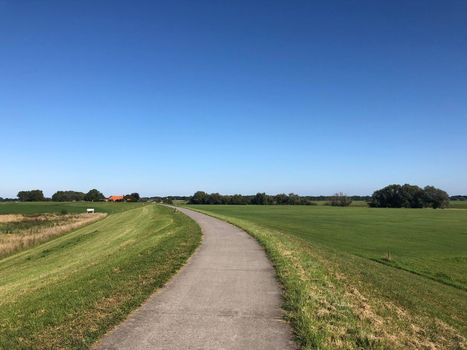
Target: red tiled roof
(116, 198)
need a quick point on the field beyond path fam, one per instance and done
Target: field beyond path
(225, 298)
(363, 278)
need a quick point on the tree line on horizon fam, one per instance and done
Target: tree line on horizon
(392, 196)
(339, 199)
(71, 196)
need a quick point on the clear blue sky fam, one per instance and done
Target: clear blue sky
(232, 96)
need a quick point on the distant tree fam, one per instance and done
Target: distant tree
(361, 198)
(340, 200)
(94, 196)
(261, 199)
(133, 197)
(458, 198)
(412, 196)
(435, 198)
(307, 201)
(409, 196)
(387, 197)
(199, 197)
(67, 196)
(215, 198)
(23, 196)
(294, 199)
(238, 199)
(281, 198)
(167, 200)
(31, 196)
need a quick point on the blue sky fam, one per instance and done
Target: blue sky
(232, 96)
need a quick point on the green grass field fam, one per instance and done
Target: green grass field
(353, 204)
(70, 207)
(452, 204)
(458, 204)
(366, 278)
(67, 292)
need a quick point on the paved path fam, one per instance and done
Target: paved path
(226, 297)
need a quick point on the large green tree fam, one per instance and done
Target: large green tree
(94, 196)
(31, 196)
(294, 199)
(68, 196)
(215, 198)
(409, 196)
(199, 197)
(238, 199)
(261, 199)
(281, 198)
(435, 198)
(133, 197)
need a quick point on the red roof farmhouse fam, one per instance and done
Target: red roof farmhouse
(115, 199)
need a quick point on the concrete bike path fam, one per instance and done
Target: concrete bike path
(226, 297)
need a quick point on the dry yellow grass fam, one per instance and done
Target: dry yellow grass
(11, 218)
(24, 238)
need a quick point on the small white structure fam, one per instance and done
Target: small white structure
(90, 210)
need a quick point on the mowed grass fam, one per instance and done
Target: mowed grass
(452, 204)
(29, 208)
(66, 293)
(342, 288)
(353, 204)
(458, 204)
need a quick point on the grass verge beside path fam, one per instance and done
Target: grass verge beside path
(66, 293)
(336, 300)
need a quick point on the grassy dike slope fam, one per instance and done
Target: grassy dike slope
(68, 292)
(341, 300)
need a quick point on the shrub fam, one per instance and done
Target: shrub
(340, 200)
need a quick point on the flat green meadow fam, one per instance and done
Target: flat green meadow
(30, 208)
(367, 278)
(458, 204)
(432, 243)
(67, 292)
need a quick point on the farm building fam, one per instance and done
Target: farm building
(115, 199)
